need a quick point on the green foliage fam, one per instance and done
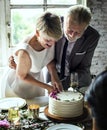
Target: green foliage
(21, 27)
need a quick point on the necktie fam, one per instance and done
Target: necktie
(63, 60)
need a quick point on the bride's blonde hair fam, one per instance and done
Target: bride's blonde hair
(50, 24)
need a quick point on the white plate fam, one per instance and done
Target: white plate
(64, 127)
(6, 103)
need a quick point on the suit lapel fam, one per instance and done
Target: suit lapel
(59, 48)
(75, 49)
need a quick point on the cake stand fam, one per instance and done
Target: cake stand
(80, 119)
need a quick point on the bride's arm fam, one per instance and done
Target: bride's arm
(54, 76)
(23, 68)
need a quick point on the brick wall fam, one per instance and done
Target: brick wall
(99, 22)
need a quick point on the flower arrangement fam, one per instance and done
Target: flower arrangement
(53, 94)
(4, 124)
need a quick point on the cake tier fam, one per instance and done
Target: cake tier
(68, 104)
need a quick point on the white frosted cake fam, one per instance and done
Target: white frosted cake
(66, 104)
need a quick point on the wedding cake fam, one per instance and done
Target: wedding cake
(66, 104)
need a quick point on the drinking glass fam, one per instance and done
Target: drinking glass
(34, 111)
(74, 80)
(13, 114)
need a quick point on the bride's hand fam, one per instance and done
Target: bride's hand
(12, 63)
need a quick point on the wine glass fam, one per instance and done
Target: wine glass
(73, 81)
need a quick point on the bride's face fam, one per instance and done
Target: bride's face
(45, 40)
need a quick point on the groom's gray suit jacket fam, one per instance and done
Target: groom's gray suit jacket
(81, 54)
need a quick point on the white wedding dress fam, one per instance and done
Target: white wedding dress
(11, 85)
